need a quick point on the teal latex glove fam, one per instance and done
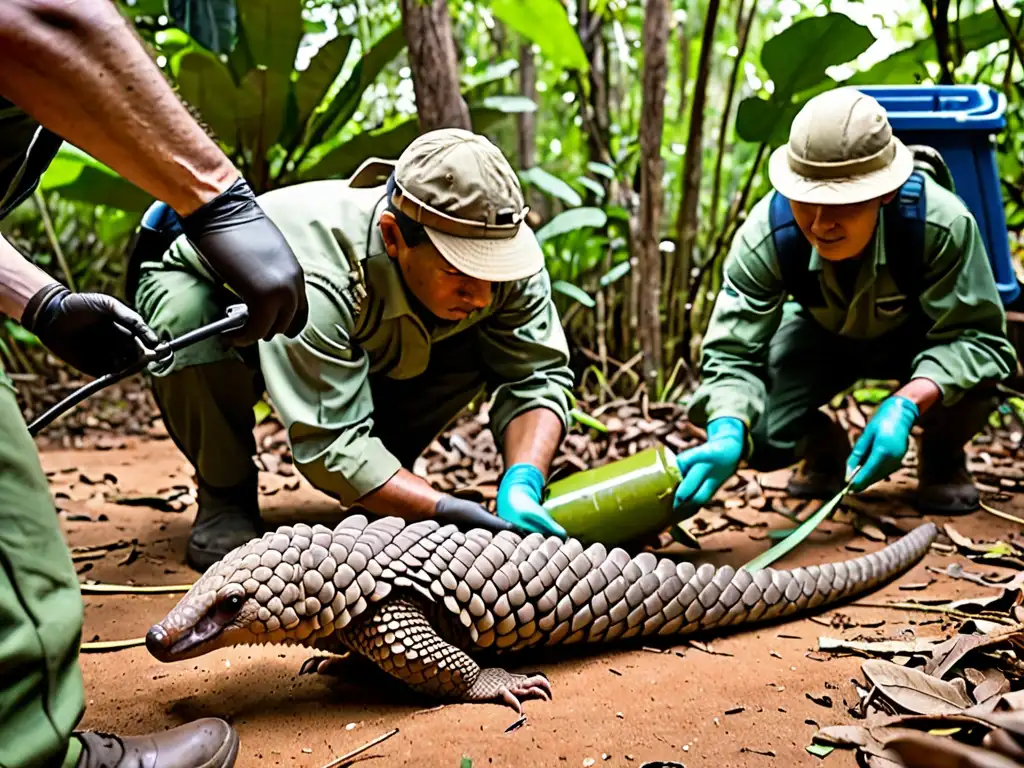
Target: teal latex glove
(884, 442)
(519, 498)
(706, 467)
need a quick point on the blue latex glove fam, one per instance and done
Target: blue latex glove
(519, 498)
(706, 467)
(883, 443)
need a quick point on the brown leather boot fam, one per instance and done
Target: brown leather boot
(206, 743)
(944, 486)
(227, 518)
(821, 473)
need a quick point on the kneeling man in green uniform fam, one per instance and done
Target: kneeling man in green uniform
(426, 287)
(890, 280)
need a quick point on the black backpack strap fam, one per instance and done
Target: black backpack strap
(904, 235)
(794, 254)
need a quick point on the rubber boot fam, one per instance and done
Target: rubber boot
(944, 486)
(227, 519)
(821, 472)
(206, 743)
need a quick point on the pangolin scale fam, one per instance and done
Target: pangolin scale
(420, 599)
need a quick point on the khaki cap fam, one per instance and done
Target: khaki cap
(841, 150)
(460, 187)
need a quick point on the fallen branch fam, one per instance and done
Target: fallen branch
(126, 589)
(338, 761)
(112, 645)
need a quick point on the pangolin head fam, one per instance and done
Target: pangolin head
(285, 587)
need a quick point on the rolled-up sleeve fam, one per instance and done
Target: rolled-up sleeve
(747, 313)
(526, 355)
(967, 343)
(319, 384)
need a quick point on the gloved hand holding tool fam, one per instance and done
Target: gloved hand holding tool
(92, 332)
(884, 442)
(519, 497)
(249, 253)
(95, 318)
(706, 467)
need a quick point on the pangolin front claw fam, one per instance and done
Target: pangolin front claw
(322, 665)
(504, 687)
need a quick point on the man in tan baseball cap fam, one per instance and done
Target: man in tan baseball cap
(862, 263)
(426, 289)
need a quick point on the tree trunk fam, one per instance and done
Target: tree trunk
(648, 229)
(596, 113)
(527, 120)
(938, 14)
(686, 221)
(432, 59)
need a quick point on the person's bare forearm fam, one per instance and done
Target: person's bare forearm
(924, 393)
(405, 495)
(532, 438)
(78, 68)
(20, 280)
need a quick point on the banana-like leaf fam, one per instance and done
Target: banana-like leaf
(211, 23)
(272, 30)
(570, 221)
(78, 176)
(573, 292)
(547, 24)
(550, 184)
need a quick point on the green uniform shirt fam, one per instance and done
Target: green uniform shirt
(26, 149)
(965, 344)
(361, 322)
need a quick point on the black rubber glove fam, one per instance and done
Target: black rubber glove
(468, 514)
(248, 252)
(93, 332)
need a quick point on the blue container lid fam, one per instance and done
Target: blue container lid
(941, 107)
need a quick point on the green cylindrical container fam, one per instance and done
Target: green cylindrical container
(617, 502)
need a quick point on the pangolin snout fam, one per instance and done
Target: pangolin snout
(158, 642)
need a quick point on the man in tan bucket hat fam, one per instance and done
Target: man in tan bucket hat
(860, 265)
(426, 287)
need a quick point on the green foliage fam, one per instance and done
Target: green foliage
(211, 23)
(546, 24)
(796, 61)
(77, 176)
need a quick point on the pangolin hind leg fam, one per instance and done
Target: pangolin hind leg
(399, 639)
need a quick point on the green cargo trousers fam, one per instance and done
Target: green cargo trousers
(207, 396)
(808, 366)
(41, 694)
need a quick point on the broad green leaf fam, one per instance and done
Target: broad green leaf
(386, 144)
(261, 109)
(512, 103)
(145, 7)
(78, 176)
(211, 23)
(592, 185)
(114, 225)
(171, 40)
(797, 60)
(272, 31)
(492, 74)
(551, 185)
(906, 65)
(346, 102)
(547, 24)
(574, 292)
(466, 763)
(601, 169)
(207, 86)
(613, 274)
(313, 27)
(313, 84)
(570, 221)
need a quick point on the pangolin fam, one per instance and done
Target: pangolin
(419, 600)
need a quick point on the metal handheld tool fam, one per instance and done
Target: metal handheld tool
(163, 353)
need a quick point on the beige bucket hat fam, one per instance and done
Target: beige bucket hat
(460, 187)
(841, 150)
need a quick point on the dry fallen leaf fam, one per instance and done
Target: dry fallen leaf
(914, 691)
(921, 750)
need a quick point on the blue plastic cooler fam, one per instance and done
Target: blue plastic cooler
(959, 121)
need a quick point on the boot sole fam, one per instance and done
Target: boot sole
(226, 755)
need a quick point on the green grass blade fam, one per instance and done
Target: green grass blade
(802, 532)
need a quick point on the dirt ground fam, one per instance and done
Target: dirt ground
(744, 704)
